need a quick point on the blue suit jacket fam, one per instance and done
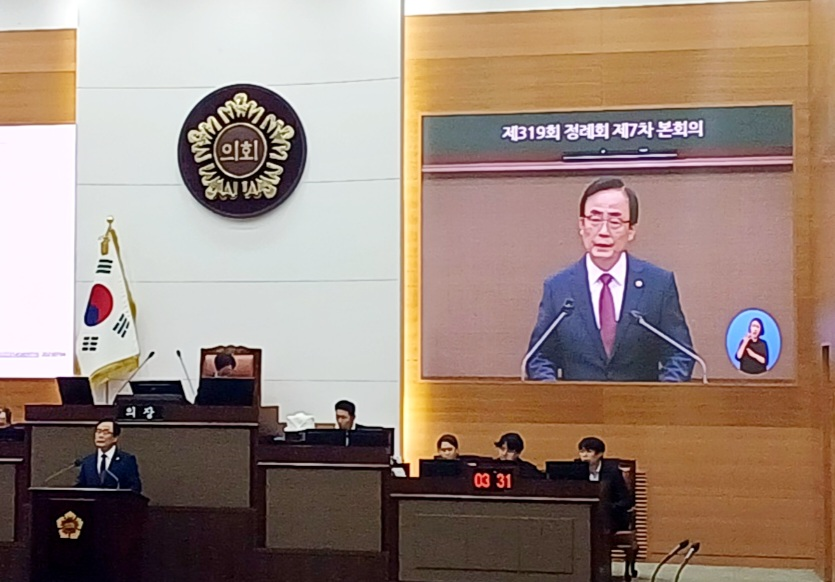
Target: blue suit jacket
(123, 466)
(638, 356)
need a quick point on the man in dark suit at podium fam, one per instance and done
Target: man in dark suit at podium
(600, 338)
(109, 467)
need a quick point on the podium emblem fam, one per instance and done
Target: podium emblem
(242, 151)
(69, 526)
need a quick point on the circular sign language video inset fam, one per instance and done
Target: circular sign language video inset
(242, 151)
(753, 341)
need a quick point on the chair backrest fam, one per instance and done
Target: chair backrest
(636, 482)
(247, 364)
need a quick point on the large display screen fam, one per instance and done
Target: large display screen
(37, 234)
(658, 238)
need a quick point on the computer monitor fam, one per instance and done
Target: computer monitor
(567, 470)
(226, 392)
(75, 390)
(441, 468)
(157, 388)
(324, 436)
(368, 437)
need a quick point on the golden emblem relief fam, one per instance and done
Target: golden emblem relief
(239, 149)
(69, 526)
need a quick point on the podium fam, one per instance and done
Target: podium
(89, 535)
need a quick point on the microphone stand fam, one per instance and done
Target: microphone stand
(135, 372)
(185, 371)
(567, 308)
(76, 463)
(690, 553)
(681, 347)
(683, 544)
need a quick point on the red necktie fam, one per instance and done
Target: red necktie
(607, 315)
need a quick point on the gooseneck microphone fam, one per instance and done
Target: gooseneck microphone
(690, 553)
(135, 372)
(76, 463)
(565, 311)
(681, 545)
(118, 483)
(679, 346)
(185, 371)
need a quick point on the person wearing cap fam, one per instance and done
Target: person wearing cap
(510, 447)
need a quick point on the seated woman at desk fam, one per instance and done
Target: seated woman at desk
(447, 447)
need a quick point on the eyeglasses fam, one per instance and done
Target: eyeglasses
(104, 431)
(596, 221)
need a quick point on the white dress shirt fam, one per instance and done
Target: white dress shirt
(108, 456)
(616, 285)
(594, 474)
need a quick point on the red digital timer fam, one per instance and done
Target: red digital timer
(493, 480)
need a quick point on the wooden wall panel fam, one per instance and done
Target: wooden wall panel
(37, 86)
(822, 138)
(644, 29)
(37, 77)
(735, 466)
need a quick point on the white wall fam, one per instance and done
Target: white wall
(38, 14)
(418, 7)
(314, 283)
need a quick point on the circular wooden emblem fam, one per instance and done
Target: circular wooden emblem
(242, 151)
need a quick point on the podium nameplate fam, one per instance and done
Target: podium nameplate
(138, 411)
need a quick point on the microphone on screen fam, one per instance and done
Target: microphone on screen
(126, 382)
(566, 310)
(185, 371)
(690, 553)
(681, 545)
(677, 345)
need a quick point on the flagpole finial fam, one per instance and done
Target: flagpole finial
(105, 239)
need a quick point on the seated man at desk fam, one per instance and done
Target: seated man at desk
(510, 447)
(346, 415)
(109, 467)
(591, 451)
(224, 365)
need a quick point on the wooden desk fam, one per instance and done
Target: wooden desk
(442, 529)
(322, 510)
(13, 509)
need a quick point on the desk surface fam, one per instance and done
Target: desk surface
(279, 453)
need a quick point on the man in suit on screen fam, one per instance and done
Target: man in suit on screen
(600, 339)
(109, 467)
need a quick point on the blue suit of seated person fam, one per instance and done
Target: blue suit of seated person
(109, 467)
(600, 340)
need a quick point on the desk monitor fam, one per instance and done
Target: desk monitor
(158, 388)
(75, 390)
(226, 392)
(380, 437)
(567, 470)
(441, 468)
(371, 437)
